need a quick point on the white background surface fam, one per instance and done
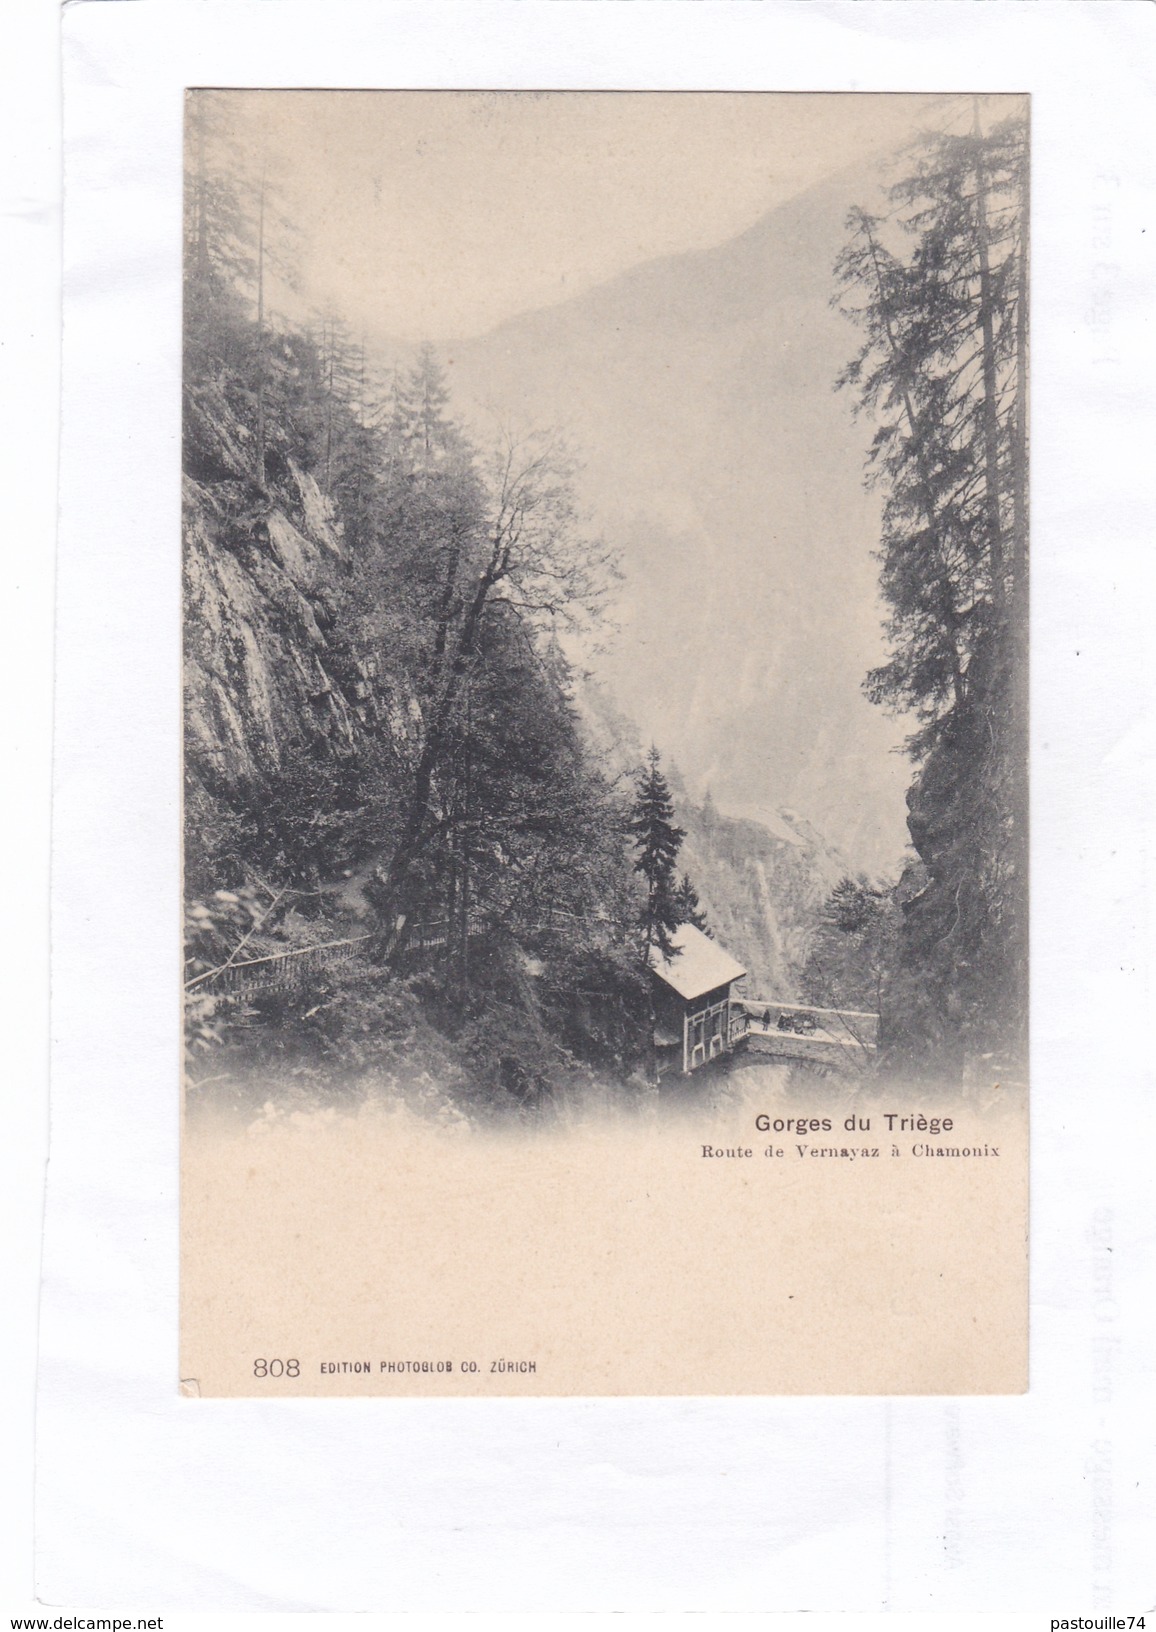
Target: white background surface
(150, 1503)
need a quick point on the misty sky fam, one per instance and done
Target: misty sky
(437, 215)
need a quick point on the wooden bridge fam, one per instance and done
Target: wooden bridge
(800, 1031)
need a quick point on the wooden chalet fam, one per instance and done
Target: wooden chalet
(698, 1015)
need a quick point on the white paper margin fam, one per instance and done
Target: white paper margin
(146, 1499)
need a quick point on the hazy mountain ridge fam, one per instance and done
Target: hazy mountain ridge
(699, 390)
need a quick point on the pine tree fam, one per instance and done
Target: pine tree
(939, 290)
(420, 400)
(241, 255)
(688, 907)
(219, 258)
(658, 842)
(709, 813)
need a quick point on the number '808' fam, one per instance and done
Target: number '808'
(276, 1368)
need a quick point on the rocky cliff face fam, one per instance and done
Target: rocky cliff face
(264, 668)
(762, 890)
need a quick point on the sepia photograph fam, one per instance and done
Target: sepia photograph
(599, 923)
(605, 564)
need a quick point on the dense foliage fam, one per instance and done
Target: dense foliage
(939, 290)
(381, 744)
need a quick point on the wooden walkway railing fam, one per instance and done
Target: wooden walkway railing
(802, 1032)
(276, 968)
(289, 968)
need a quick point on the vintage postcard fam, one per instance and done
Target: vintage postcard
(605, 546)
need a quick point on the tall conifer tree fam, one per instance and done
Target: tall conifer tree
(938, 288)
(658, 841)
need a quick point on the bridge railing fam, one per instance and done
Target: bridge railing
(843, 1025)
(276, 968)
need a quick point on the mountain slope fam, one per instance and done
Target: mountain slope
(699, 390)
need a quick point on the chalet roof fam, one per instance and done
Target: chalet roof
(700, 965)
